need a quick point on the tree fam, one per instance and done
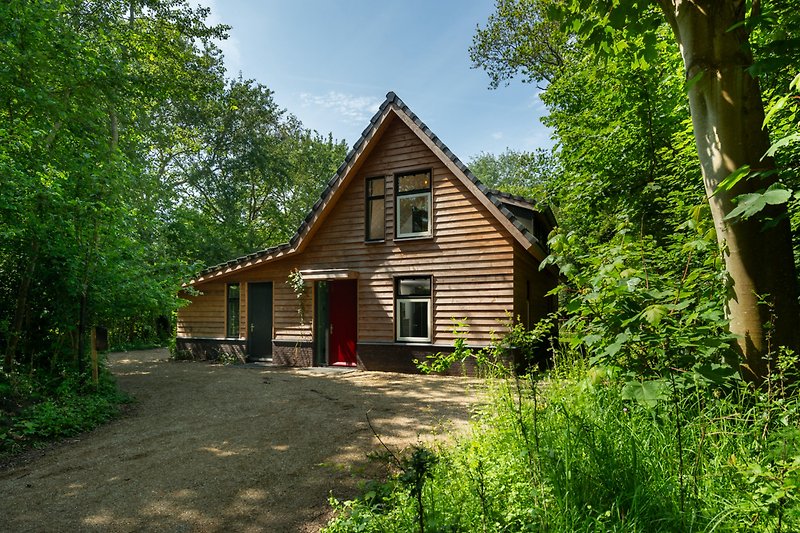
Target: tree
(81, 84)
(515, 172)
(727, 116)
(243, 175)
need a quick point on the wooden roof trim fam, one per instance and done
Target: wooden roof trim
(328, 274)
(338, 184)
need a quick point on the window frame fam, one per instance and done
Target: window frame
(237, 314)
(398, 300)
(368, 200)
(414, 193)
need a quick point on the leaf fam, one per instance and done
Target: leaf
(774, 108)
(795, 83)
(691, 82)
(573, 306)
(732, 179)
(646, 393)
(613, 348)
(780, 143)
(654, 314)
(715, 373)
(632, 283)
(753, 203)
(589, 340)
(683, 304)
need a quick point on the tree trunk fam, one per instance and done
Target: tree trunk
(728, 115)
(21, 309)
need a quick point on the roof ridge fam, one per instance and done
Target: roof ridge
(512, 196)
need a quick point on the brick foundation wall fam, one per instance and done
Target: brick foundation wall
(400, 358)
(375, 357)
(210, 349)
(291, 353)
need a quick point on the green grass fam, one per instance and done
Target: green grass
(569, 453)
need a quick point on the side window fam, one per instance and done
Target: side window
(413, 309)
(375, 223)
(413, 204)
(232, 302)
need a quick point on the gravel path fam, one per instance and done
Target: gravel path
(237, 448)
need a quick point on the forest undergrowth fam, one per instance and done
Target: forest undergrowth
(38, 407)
(582, 448)
(642, 422)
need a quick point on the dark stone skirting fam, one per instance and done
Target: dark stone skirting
(210, 349)
(292, 353)
(381, 357)
(396, 357)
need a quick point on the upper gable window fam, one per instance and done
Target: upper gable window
(413, 204)
(375, 223)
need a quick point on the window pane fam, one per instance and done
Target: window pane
(413, 319)
(376, 222)
(232, 327)
(233, 318)
(414, 182)
(375, 187)
(233, 291)
(414, 287)
(413, 214)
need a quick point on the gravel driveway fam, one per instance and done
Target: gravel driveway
(237, 448)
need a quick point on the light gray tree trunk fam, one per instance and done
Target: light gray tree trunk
(728, 115)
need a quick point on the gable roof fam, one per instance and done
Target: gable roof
(493, 200)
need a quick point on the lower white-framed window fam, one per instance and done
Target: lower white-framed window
(413, 317)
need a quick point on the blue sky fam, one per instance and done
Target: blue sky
(331, 63)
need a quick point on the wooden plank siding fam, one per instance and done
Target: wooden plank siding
(204, 317)
(530, 288)
(471, 257)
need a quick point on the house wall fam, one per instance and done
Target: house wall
(531, 302)
(471, 258)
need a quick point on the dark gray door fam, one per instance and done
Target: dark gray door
(259, 320)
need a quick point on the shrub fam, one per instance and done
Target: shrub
(575, 452)
(44, 407)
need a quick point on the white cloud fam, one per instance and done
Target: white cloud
(497, 135)
(354, 109)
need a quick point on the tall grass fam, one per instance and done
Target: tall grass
(568, 452)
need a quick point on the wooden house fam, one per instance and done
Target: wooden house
(403, 240)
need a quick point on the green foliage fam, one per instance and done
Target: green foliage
(748, 205)
(533, 49)
(643, 309)
(497, 359)
(575, 452)
(130, 161)
(43, 407)
(79, 100)
(520, 173)
(298, 285)
(242, 174)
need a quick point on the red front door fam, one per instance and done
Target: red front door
(343, 316)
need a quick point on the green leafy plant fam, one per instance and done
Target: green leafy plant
(497, 359)
(41, 410)
(296, 282)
